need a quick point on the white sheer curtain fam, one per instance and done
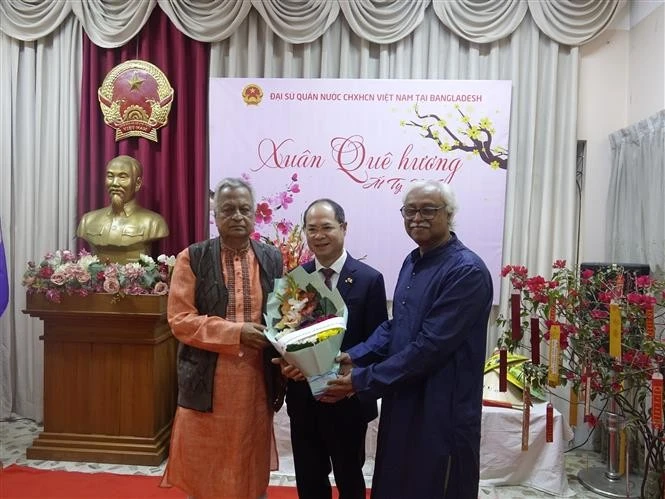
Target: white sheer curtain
(286, 38)
(38, 194)
(636, 218)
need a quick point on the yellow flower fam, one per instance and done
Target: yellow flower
(474, 132)
(324, 335)
(485, 123)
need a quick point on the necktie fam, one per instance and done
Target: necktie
(327, 274)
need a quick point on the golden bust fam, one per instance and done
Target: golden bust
(123, 230)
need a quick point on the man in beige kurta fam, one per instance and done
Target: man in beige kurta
(222, 443)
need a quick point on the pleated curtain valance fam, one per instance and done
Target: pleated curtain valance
(112, 23)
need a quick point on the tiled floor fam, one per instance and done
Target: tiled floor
(17, 434)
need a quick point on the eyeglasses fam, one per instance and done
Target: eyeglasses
(426, 212)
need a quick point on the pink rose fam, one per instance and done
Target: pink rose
(83, 276)
(161, 288)
(111, 286)
(58, 278)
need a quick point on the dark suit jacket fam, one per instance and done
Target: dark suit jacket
(364, 293)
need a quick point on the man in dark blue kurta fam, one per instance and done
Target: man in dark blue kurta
(427, 362)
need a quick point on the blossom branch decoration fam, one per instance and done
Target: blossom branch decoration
(610, 338)
(284, 234)
(470, 137)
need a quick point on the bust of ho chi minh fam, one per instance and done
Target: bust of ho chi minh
(123, 230)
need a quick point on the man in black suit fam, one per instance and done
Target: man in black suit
(332, 436)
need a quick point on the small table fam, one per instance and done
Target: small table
(502, 461)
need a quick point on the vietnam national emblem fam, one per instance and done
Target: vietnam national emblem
(135, 98)
(252, 94)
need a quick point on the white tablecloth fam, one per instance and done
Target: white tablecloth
(502, 461)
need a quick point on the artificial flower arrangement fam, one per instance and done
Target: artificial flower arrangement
(306, 322)
(283, 233)
(604, 334)
(65, 273)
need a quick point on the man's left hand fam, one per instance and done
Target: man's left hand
(288, 370)
(338, 389)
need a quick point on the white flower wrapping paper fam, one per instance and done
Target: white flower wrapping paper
(316, 362)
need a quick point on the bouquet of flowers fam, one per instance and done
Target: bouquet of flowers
(306, 323)
(63, 273)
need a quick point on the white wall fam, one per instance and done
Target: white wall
(646, 57)
(622, 80)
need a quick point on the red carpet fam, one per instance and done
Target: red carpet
(21, 482)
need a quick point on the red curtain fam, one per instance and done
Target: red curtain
(175, 169)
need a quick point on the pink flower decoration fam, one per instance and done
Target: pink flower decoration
(58, 278)
(68, 256)
(643, 281)
(53, 295)
(263, 213)
(635, 298)
(55, 277)
(284, 227)
(285, 199)
(599, 314)
(111, 286)
(83, 276)
(111, 272)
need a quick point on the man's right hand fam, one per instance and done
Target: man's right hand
(251, 335)
(345, 363)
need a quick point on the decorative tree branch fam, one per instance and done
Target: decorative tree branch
(476, 139)
(579, 302)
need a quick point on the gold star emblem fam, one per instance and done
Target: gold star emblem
(135, 82)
